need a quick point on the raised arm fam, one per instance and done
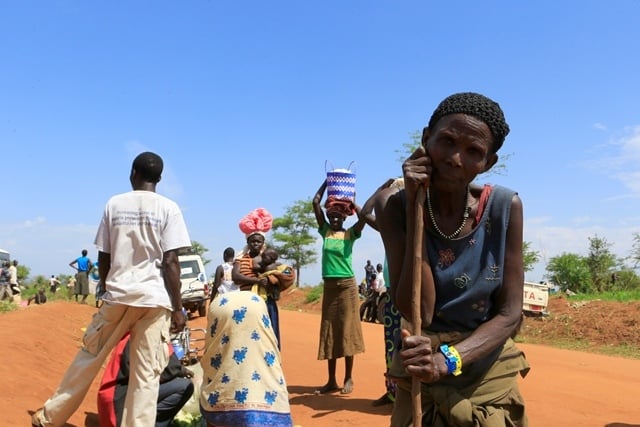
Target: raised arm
(359, 225)
(366, 213)
(367, 209)
(317, 208)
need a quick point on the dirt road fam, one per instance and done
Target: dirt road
(564, 388)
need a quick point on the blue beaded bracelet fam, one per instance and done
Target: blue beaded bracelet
(452, 359)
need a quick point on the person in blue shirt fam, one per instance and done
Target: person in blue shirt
(82, 265)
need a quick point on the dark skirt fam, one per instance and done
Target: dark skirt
(340, 327)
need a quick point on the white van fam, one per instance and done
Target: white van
(4, 256)
(194, 284)
(535, 298)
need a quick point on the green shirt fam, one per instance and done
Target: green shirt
(337, 250)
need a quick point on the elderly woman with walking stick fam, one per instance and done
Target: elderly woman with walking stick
(459, 246)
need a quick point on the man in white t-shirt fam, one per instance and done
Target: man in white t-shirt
(53, 284)
(138, 241)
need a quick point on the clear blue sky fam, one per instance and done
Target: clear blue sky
(246, 100)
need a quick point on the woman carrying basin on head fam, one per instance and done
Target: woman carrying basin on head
(340, 328)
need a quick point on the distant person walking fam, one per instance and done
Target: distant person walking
(369, 273)
(13, 281)
(53, 284)
(369, 308)
(138, 241)
(82, 265)
(71, 286)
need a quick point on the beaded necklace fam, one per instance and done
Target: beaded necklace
(465, 215)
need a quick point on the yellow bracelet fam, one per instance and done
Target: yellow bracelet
(452, 358)
(458, 369)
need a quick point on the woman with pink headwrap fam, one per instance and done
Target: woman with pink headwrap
(255, 225)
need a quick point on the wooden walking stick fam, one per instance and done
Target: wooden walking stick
(416, 319)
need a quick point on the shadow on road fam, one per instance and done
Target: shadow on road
(324, 404)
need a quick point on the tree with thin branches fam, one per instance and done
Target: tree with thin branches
(293, 232)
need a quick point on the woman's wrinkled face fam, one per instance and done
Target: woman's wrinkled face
(255, 243)
(460, 149)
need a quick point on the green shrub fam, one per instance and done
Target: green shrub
(7, 306)
(314, 294)
(620, 296)
(184, 419)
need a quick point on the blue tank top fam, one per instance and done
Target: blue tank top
(469, 270)
(83, 263)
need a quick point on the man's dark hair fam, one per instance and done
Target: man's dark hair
(84, 252)
(149, 166)
(228, 253)
(478, 106)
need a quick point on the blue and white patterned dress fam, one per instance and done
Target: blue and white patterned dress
(243, 382)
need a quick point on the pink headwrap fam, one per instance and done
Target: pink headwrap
(257, 221)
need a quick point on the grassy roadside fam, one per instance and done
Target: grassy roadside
(605, 323)
(63, 294)
(624, 350)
